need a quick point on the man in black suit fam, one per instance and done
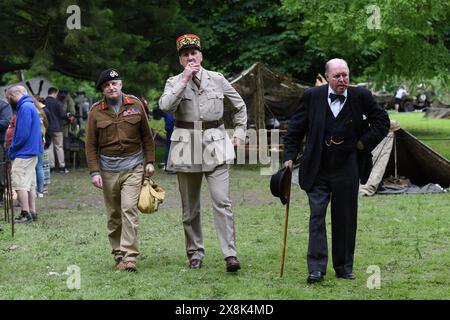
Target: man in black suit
(342, 125)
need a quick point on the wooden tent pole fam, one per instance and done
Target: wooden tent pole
(395, 156)
(259, 99)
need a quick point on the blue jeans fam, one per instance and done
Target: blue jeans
(40, 174)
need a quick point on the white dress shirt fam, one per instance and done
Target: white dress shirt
(336, 106)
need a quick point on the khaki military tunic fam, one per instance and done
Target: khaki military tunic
(191, 104)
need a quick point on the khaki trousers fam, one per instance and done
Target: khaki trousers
(218, 185)
(56, 146)
(23, 174)
(121, 193)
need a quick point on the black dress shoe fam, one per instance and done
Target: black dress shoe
(347, 276)
(315, 276)
(195, 264)
(233, 264)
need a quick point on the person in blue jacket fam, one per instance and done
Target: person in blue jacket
(25, 147)
(169, 122)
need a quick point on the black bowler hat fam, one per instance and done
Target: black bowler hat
(107, 75)
(279, 184)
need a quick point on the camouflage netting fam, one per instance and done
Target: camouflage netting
(267, 94)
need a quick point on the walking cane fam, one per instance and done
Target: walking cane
(5, 196)
(288, 196)
(9, 195)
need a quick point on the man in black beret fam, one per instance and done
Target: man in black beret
(107, 75)
(119, 148)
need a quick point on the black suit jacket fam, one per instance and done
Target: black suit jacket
(55, 115)
(371, 123)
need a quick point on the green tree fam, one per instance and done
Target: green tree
(411, 41)
(237, 33)
(133, 36)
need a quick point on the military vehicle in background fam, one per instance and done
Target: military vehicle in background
(421, 100)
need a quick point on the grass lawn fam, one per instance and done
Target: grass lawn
(406, 236)
(433, 132)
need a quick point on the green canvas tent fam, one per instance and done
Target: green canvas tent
(400, 154)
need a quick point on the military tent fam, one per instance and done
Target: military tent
(35, 86)
(400, 154)
(438, 110)
(268, 94)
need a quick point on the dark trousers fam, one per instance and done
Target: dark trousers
(341, 186)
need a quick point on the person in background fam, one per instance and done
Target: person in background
(169, 121)
(56, 116)
(81, 108)
(40, 175)
(5, 119)
(25, 147)
(399, 96)
(69, 110)
(145, 105)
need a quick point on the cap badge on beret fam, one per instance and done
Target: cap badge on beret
(187, 41)
(107, 75)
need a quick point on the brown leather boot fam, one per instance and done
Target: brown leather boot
(233, 264)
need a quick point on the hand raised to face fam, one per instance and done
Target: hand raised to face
(191, 60)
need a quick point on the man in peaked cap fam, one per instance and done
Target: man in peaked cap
(119, 148)
(195, 97)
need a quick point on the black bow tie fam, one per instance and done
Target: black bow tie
(337, 96)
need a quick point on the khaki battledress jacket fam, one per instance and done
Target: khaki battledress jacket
(118, 135)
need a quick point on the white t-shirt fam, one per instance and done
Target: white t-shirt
(400, 93)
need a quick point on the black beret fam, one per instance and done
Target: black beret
(107, 75)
